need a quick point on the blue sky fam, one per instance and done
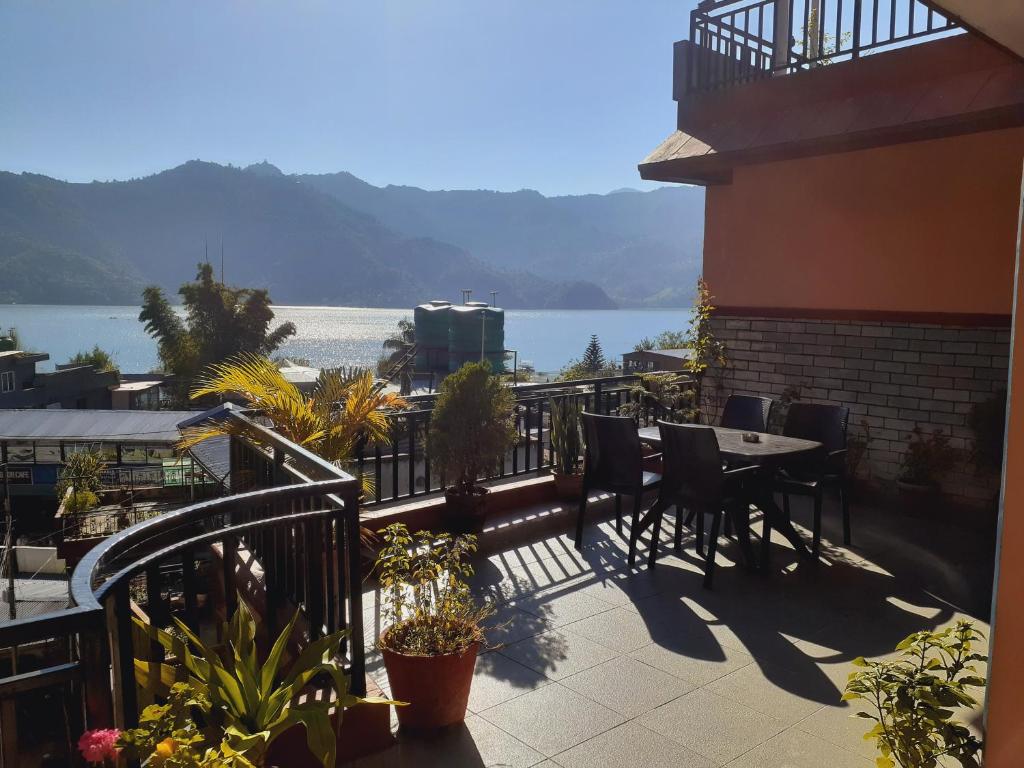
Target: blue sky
(564, 96)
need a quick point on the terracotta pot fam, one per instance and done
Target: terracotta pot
(918, 500)
(568, 487)
(465, 512)
(435, 687)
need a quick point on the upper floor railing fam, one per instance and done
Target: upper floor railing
(290, 541)
(403, 469)
(735, 41)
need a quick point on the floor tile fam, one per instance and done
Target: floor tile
(776, 691)
(795, 749)
(697, 660)
(712, 725)
(474, 744)
(627, 686)
(619, 629)
(498, 678)
(630, 745)
(508, 625)
(563, 608)
(552, 719)
(838, 726)
(558, 654)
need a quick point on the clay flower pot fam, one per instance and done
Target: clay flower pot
(465, 512)
(568, 487)
(435, 687)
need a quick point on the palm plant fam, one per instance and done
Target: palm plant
(329, 421)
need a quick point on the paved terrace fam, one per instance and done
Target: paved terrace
(599, 668)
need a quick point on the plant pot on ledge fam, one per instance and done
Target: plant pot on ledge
(568, 487)
(465, 511)
(918, 499)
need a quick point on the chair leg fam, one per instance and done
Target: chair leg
(659, 513)
(727, 526)
(709, 565)
(678, 542)
(816, 541)
(689, 518)
(618, 513)
(700, 532)
(844, 500)
(634, 527)
(580, 514)
(785, 506)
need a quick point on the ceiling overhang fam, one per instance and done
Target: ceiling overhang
(1001, 21)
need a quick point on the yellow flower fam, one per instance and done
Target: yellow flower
(164, 750)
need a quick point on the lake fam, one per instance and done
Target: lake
(330, 336)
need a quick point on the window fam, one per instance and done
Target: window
(7, 381)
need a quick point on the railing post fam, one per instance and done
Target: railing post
(94, 656)
(781, 35)
(349, 523)
(856, 28)
(598, 399)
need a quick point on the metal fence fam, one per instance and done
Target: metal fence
(735, 41)
(65, 671)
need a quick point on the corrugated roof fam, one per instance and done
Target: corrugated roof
(84, 425)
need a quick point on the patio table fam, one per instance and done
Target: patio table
(768, 454)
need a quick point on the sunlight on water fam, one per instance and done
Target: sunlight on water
(330, 336)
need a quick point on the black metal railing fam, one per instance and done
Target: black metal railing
(402, 469)
(298, 525)
(734, 41)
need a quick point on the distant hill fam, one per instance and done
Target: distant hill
(642, 248)
(337, 240)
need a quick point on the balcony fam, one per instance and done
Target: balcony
(737, 41)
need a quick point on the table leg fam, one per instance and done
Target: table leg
(776, 519)
(739, 513)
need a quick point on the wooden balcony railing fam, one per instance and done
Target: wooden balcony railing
(67, 671)
(735, 41)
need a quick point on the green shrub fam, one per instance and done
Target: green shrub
(566, 433)
(912, 699)
(472, 426)
(81, 501)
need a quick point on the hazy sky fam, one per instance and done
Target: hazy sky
(564, 96)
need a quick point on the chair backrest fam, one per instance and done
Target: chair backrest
(692, 462)
(816, 421)
(613, 457)
(747, 412)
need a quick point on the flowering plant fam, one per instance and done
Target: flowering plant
(99, 746)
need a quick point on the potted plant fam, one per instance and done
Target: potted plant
(433, 629)
(471, 430)
(911, 700)
(566, 446)
(926, 459)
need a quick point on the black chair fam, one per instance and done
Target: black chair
(694, 479)
(747, 412)
(808, 474)
(613, 462)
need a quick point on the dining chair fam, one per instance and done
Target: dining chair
(695, 479)
(808, 474)
(613, 461)
(747, 412)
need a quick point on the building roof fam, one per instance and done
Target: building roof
(136, 386)
(85, 425)
(681, 354)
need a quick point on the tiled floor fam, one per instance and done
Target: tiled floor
(599, 667)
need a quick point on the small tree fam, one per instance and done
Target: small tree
(101, 359)
(593, 356)
(472, 427)
(82, 474)
(707, 352)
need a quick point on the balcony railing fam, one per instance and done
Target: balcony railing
(735, 41)
(66, 671)
(402, 469)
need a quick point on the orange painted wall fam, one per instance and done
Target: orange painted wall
(919, 227)
(1004, 746)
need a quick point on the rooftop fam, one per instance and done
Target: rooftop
(125, 426)
(602, 667)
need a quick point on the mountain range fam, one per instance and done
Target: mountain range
(334, 239)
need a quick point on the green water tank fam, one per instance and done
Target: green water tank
(467, 323)
(431, 321)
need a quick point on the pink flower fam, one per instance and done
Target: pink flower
(99, 745)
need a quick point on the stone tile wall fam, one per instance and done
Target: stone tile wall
(891, 375)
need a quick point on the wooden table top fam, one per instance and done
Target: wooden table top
(732, 445)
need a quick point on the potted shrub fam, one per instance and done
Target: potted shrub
(471, 430)
(433, 629)
(566, 446)
(926, 459)
(912, 699)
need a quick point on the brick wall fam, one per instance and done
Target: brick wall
(891, 376)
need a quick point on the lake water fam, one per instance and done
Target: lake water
(329, 336)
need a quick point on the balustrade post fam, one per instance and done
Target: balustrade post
(782, 34)
(348, 527)
(856, 28)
